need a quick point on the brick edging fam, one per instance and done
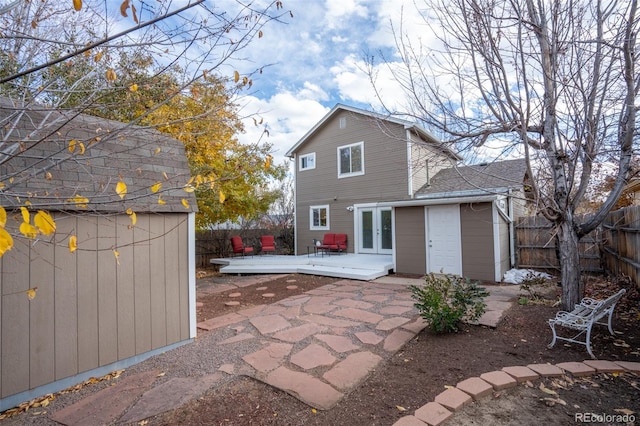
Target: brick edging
(454, 398)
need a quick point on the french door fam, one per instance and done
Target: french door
(376, 230)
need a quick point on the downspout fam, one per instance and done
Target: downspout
(409, 165)
(512, 237)
(295, 204)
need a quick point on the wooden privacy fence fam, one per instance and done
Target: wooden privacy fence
(621, 242)
(536, 246)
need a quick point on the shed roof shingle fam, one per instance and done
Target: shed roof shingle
(36, 162)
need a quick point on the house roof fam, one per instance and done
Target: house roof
(424, 134)
(480, 177)
(36, 163)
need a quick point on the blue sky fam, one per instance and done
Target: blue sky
(316, 61)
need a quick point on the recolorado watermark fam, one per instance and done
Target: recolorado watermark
(603, 418)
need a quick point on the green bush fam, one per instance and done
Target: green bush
(446, 299)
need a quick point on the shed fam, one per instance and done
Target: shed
(128, 291)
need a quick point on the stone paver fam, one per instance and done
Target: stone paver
(499, 380)
(213, 323)
(232, 303)
(254, 310)
(417, 326)
(546, 370)
(397, 339)
(602, 366)
(433, 413)
(409, 421)
(578, 369)
(475, 387)
(268, 358)
(391, 323)
(269, 323)
(377, 298)
(237, 338)
(339, 344)
(235, 294)
(299, 333)
(359, 315)
(319, 309)
(313, 356)
(292, 287)
(305, 387)
(268, 295)
(395, 310)
(521, 373)
(631, 366)
(352, 370)
(453, 399)
(350, 303)
(331, 322)
(369, 337)
(294, 301)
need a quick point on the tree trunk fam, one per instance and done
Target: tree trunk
(569, 264)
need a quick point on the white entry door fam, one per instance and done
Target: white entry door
(444, 247)
(376, 230)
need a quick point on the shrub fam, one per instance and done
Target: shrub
(534, 285)
(446, 299)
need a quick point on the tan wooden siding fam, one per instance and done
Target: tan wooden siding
(505, 247)
(426, 161)
(410, 240)
(89, 310)
(476, 226)
(385, 178)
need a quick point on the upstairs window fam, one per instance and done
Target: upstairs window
(307, 161)
(319, 217)
(351, 160)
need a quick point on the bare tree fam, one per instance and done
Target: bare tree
(554, 81)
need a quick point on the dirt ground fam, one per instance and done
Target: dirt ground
(429, 363)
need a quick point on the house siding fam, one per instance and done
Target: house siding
(476, 223)
(426, 162)
(385, 178)
(409, 241)
(90, 311)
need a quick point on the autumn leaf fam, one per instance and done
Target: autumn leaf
(401, 408)
(98, 56)
(6, 241)
(188, 188)
(236, 76)
(25, 215)
(82, 148)
(79, 200)
(267, 162)
(44, 222)
(77, 5)
(111, 75)
(221, 197)
(48, 176)
(134, 218)
(123, 8)
(161, 201)
(116, 254)
(72, 145)
(157, 151)
(3, 217)
(73, 243)
(31, 293)
(185, 203)
(156, 187)
(260, 34)
(121, 189)
(28, 230)
(133, 88)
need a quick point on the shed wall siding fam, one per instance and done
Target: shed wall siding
(411, 252)
(505, 249)
(90, 311)
(476, 225)
(385, 178)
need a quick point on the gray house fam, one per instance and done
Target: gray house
(394, 189)
(128, 291)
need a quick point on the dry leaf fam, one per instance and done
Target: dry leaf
(156, 187)
(73, 243)
(6, 241)
(161, 374)
(44, 222)
(624, 411)
(31, 293)
(121, 189)
(400, 408)
(547, 390)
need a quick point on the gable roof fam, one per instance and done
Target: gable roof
(424, 134)
(36, 162)
(481, 177)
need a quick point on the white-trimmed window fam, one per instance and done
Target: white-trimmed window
(307, 161)
(351, 160)
(319, 217)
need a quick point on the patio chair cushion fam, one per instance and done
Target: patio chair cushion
(238, 247)
(268, 243)
(332, 241)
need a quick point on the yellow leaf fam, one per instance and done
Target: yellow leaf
(72, 145)
(79, 200)
(161, 201)
(111, 75)
(400, 408)
(48, 176)
(185, 203)
(98, 57)
(267, 162)
(117, 256)
(164, 174)
(31, 293)
(81, 145)
(44, 222)
(25, 215)
(314, 411)
(6, 241)
(27, 203)
(121, 189)
(73, 243)
(156, 187)
(236, 76)
(28, 230)
(129, 211)
(3, 217)
(134, 218)
(77, 5)
(221, 197)
(161, 374)
(133, 87)
(157, 151)
(188, 188)
(2, 185)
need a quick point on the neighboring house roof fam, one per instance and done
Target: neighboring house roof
(486, 177)
(408, 125)
(36, 163)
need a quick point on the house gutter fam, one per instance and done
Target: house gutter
(437, 201)
(467, 193)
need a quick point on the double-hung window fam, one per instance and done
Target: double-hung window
(307, 161)
(319, 217)
(351, 160)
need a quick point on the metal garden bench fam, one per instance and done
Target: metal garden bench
(585, 314)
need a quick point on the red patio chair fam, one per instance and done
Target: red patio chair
(268, 244)
(239, 248)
